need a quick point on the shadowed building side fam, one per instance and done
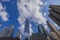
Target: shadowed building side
(56, 8)
(55, 16)
(54, 19)
(54, 33)
(55, 13)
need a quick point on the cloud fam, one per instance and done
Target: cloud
(3, 13)
(21, 20)
(30, 9)
(21, 28)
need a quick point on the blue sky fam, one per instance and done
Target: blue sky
(13, 13)
(11, 9)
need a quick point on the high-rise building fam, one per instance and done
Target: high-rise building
(54, 32)
(27, 26)
(7, 32)
(26, 31)
(38, 36)
(18, 36)
(55, 16)
(11, 29)
(42, 30)
(54, 19)
(41, 35)
(0, 23)
(56, 8)
(55, 13)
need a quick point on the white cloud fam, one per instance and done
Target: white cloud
(1, 6)
(31, 10)
(3, 13)
(21, 28)
(21, 20)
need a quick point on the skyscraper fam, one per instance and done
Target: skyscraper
(7, 31)
(18, 36)
(38, 36)
(42, 30)
(26, 32)
(11, 29)
(27, 26)
(55, 13)
(54, 33)
(0, 23)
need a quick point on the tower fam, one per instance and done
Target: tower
(7, 32)
(42, 30)
(0, 23)
(11, 29)
(26, 31)
(17, 36)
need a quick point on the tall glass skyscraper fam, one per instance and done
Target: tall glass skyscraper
(26, 31)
